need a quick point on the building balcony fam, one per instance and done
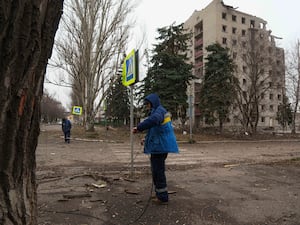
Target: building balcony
(198, 34)
(198, 42)
(198, 64)
(198, 54)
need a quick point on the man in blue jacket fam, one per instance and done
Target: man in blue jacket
(66, 128)
(159, 141)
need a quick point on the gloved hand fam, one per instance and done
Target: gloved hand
(135, 130)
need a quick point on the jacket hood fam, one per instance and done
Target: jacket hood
(154, 99)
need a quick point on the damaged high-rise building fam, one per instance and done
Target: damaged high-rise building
(259, 63)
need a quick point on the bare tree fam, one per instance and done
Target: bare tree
(95, 35)
(27, 30)
(258, 76)
(293, 80)
(51, 109)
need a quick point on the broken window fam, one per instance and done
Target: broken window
(234, 30)
(224, 28)
(234, 18)
(244, 81)
(279, 97)
(224, 41)
(234, 42)
(224, 15)
(234, 55)
(243, 20)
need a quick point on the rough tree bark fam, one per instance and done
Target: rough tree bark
(27, 30)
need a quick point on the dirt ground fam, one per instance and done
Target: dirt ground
(223, 182)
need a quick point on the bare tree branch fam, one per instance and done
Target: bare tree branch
(95, 36)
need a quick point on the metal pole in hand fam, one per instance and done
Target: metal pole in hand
(131, 128)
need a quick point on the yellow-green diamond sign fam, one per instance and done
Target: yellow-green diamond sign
(129, 69)
(77, 110)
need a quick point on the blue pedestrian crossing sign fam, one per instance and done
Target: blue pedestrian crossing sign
(77, 110)
(130, 68)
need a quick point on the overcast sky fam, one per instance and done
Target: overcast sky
(283, 19)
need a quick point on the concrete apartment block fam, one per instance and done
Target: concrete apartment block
(231, 28)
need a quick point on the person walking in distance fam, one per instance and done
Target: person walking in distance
(159, 141)
(66, 128)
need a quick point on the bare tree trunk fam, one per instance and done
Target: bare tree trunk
(27, 29)
(297, 94)
(89, 53)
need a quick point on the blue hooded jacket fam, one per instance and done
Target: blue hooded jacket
(66, 125)
(160, 137)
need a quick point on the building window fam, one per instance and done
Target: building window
(224, 28)
(270, 50)
(270, 84)
(224, 15)
(224, 41)
(243, 33)
(234, 55)
(262, 95)
(234, 42)
(243, 20)
(262, 119)
(271, 96)
(234, 18)
(234, 30)
(244, 81)
(263, 107)
(252, 24)
(279, 97)
(271, 108)
(244, 69)
(244, 57)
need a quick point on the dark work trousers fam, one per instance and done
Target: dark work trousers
(159, 176)
(67, 136)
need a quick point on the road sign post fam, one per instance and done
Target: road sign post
(130, 72)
